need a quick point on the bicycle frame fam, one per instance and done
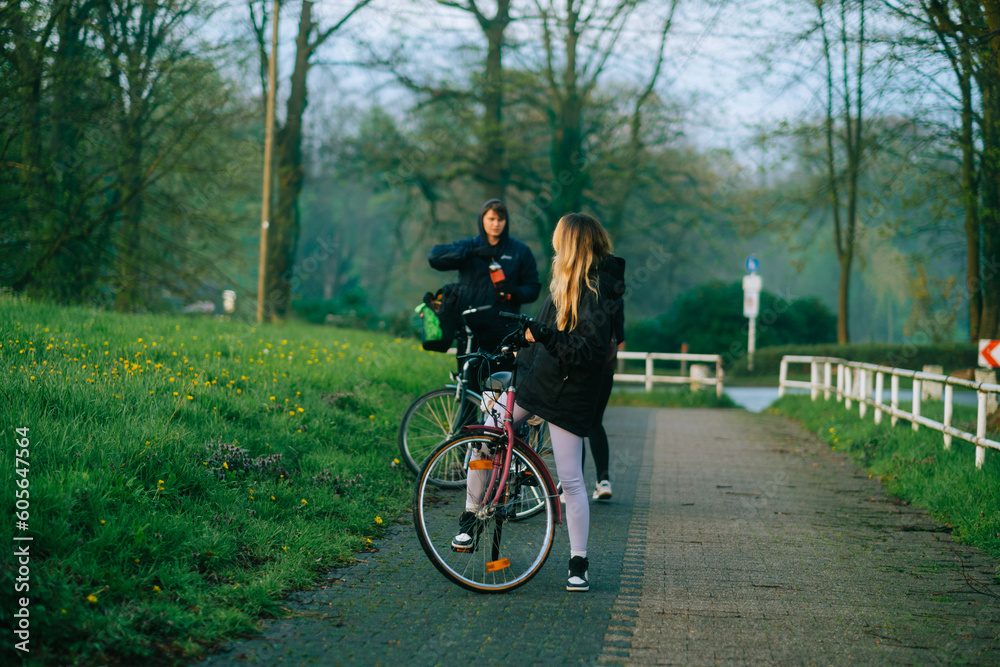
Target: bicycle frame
(508, 430)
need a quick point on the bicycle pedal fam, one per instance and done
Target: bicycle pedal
(463, 550)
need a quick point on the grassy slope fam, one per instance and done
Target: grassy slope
(915, 466)
(146, 543)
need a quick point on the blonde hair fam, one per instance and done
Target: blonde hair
(580, 242)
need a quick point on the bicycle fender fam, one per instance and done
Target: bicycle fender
(529, 453)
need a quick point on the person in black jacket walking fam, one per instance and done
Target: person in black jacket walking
(598, 437)
(560, 372)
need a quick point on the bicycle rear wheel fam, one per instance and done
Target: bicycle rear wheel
(505, 554)
(431, 420)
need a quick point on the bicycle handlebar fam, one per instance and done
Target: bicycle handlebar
(523, 319)
(477, 309)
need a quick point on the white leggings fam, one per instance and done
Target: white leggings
(568, 452)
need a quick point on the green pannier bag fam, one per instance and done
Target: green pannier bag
(436, 318)
(429, 328)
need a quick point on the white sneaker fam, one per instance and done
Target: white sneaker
(603, 490)
(562, 498)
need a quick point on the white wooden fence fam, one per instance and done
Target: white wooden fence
(649, 378)
(854, 384)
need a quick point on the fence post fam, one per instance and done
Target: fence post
(879, 386)
(782, 377)
(894, 397)
(840, 382)
(649, 371)
(916, 404)
(948, 396)
(981, 428)
(848, 386)
(813, 380)
(827, 372)
(718, 377)
(862, 392)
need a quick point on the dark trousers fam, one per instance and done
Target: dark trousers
(597, 436)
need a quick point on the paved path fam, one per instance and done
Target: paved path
(733, 538)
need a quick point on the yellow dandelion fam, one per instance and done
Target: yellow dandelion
(378, 520)
(190, 397)
(157, 589)
(301, 410)
(396, 461)
(272, 497)
(102, 522)
(831, 429)
(160, 481)
(136, 560)
(92, 599)
(225, 465)
(305, 502)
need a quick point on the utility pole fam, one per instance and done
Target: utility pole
(265, 212)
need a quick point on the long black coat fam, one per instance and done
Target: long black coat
(559, 381)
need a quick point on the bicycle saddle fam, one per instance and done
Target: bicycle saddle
(497, 382)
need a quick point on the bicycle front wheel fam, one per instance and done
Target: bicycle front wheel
(504, 554)
(429, 422)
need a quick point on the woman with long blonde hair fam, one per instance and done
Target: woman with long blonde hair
(560, 373)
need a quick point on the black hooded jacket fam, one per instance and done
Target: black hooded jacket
(519, 268)
(559, 380)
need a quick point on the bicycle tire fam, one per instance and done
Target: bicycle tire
(506, 554)
(428, 423)
(531, 501)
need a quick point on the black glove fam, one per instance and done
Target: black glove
(484, 251)
(540, 332)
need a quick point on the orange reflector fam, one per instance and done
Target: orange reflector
(495, 565)
(481, 464)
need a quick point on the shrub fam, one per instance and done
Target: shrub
(710, 319)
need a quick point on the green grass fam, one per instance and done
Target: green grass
(185, 474)
(914, 466)
(679, 397)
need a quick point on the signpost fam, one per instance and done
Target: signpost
(989, 353)
(751, 305)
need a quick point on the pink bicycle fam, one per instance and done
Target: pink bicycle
(510, 495)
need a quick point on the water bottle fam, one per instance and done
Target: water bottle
(499, 279)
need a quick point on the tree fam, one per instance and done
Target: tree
(842, 181)
(967, 33)
(114, 102)
(285, 226)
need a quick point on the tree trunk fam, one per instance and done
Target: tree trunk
(129, 296)
(990, 175)
(493, 172)
(283, 234)
(843, 298)
(970, 193)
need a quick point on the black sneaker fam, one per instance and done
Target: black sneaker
(467, 525)
(577, 580)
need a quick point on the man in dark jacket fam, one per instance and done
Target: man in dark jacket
(472, 258)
